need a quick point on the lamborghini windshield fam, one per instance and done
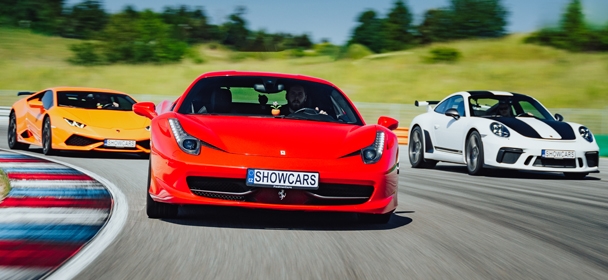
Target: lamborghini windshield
(508, 106)
(95, 100)
(268, 97)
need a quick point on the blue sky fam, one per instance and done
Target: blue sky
(335, 19)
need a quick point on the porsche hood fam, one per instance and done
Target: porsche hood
(537, 128)
(279, 137)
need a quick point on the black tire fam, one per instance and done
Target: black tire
(576, 175)
(474, 153)
(416, 150)
(374, 218)
(12, 134)
(158, 210)
(47, 138)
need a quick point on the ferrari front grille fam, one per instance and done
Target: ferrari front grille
(237, 190)
(555, 163)
(77, 140)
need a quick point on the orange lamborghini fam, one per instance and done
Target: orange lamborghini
(79, 119)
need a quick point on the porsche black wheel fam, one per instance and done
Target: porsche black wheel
(576, 175)
(47, 136)
(416, 151)
(374, 218)
(474, 153)
(12, 134)
(158, 210)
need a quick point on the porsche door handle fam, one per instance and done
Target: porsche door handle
(436, 126)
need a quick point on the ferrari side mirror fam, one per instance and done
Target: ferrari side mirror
(452, 113)
(146, 109)
(559, 117)
(388, 122)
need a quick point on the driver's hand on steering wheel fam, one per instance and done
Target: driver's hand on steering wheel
(321, 111)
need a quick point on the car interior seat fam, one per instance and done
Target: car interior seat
(221, 101)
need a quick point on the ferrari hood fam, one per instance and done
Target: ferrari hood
(537, 128)
(275, 137)
(105, 118)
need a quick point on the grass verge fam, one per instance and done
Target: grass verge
(5, 185)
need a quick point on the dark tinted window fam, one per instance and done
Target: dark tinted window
(47, 99)
(454, 102)
(489, 105)
(246, 95)
(95, 100)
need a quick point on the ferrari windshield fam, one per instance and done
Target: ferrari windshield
(517, 105)
(268, 97)
(94, 100)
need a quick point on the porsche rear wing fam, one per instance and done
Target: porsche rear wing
(426, 103)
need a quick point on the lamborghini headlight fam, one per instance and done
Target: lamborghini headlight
(75, 123)
(499, 129)
(188, 143)
(373, 153)
(586, 133)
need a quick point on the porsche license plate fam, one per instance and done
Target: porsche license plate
(119, 143)
(282, 179)
(558, 154)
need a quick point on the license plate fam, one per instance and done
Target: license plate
(119, 143)
(282, 179)
(558, 154)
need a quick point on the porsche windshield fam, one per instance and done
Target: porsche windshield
(95, 100)
(258, 96)
(517, 105)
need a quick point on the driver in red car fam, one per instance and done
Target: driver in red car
(296, 100)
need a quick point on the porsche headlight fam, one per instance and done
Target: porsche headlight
(188, 143)
(585, 133)
(499, 129)
(75, 123)
(373, 153)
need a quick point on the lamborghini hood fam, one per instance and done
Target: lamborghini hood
(275, 137)
(105, 118)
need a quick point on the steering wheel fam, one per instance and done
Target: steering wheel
(107, 105)
(525, 114)
(308, 111)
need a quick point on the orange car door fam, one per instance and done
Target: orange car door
(36, 111)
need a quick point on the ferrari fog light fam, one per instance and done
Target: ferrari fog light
(499, 129)
(585, 133)
(373, 153)
(75, 123)
(188, 143)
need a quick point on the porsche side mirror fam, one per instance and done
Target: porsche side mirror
(452, 113)
(146, 109)
(388, 122)
(35, 103)
(559, 117)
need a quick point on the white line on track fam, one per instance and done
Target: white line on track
(10, 272)
(49, 165)
(104, 237)
(56, 215)
(56, 184)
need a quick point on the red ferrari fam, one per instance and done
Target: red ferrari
(272, 141)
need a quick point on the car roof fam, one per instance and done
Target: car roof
(85, 89)
(263, 74)
(479, 93)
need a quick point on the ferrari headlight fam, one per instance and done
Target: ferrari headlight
(188, 143)
(75, 123)
(585, 133)
(499, 129)
(373, 153)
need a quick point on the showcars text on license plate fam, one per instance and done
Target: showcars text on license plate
(558, 154)
(119, 143)
(282, 179)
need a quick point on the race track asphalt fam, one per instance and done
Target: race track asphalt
(449, 225)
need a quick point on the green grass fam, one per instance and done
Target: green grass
(557, 78)
(5, 185)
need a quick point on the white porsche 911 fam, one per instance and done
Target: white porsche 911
(498, 129)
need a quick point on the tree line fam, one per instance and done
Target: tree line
(133, 36)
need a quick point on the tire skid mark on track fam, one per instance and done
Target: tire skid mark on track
(50, 213)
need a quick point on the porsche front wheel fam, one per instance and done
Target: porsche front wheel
(158, 210)
(12, 134)
(416, 150)
(474, 153)
(47, 137)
